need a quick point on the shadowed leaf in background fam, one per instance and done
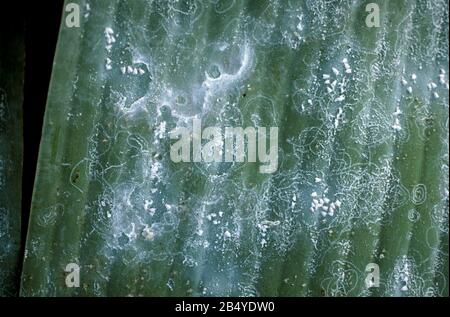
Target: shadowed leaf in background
(12, 57)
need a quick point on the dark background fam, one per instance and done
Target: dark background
(40, 20)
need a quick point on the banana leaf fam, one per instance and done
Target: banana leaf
(362, 174)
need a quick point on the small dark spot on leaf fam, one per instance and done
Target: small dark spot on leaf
(123, 240)
(76, 176)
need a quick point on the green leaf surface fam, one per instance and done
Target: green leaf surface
(363, 124)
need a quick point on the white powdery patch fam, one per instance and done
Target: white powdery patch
(293, 201)
(340, 98)
(137, 59)
(263, 227)
(339, 117)
(345, 247)
(110, 38)
(155, 169)
(442, 81)
(132, 70)
(432, 85)
(213, 218)
(160, 131)
(132, 235)
(294, 38)
(300, 26)
(402, 278)
(396, 126)
(335, 71)
(336, 83)
(347, 67)
(148, 207)
(212, 86)
(87, 10)
(108, 64)
(148, 233)
(323, 205)
(404, 81)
